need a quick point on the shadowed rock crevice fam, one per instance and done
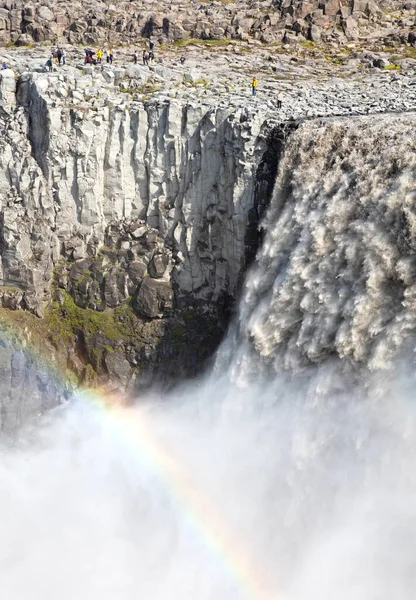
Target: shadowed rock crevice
(265, 181)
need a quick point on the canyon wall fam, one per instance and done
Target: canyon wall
(125, 226)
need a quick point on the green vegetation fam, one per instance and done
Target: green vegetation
(308, 44)
(11, 290)
(78, 339)
(25, 328)
(67, 320)
(63, 324)
(107, 251)
(146, 89)
(194, 41)
(200, 82)
(333, 59)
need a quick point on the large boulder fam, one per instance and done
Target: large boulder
(108, 75)
(137, 270)
(351, 28)
(138, 73)
(154, 298)
(192, 76)
(24, 40)
(332, 8)
(117, 366)
(45, 13)
(315, 33)
(380, 63)
(158, 265)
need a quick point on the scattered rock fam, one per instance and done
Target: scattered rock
(380, 63)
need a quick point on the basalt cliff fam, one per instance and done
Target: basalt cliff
(123, 222)
(132, 200)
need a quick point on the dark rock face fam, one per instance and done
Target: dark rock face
(118, 367)
(265, 180)
(158, 265)
(154, 298)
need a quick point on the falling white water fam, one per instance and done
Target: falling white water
(310, 471)
(337, 272)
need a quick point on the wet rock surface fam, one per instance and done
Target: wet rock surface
(28, 386)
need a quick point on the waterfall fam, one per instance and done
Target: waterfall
(337, 272)
(287, 472)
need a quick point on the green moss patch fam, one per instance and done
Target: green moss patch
(195, 41)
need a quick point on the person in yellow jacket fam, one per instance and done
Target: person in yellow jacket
(99, 56)
(254, 85)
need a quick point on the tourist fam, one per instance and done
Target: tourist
(3, 65)
(107, 56)
(182, 60)
(135, 57)
(49, 63)
(63, 56)
(279, 99)
(254, 85)
(99, 56)
(145, 58)
(111, 54)
(151, 50)
(59, 55)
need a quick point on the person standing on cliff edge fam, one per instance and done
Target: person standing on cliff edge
(254, 85)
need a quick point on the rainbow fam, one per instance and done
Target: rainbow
(236, 559)
(135, 430)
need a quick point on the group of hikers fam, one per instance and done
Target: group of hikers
(147, 56)
(89, 56)
(58, 56)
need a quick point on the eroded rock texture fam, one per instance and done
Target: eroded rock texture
(137, 211)
(167, 186)
(23, 22)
